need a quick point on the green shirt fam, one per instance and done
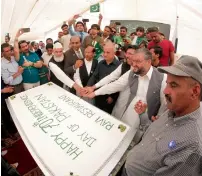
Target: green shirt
(120, 40)
(30, 74)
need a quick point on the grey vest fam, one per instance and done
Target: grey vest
(153, 93)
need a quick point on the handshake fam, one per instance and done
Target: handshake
(87, 92)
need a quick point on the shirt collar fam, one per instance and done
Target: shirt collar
(78, 50)
(183, 119)
(87, 60)
(149, 73)
(113, 62)
(7, 61)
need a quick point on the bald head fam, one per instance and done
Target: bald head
(75, 42)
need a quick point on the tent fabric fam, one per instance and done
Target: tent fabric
(43, 16)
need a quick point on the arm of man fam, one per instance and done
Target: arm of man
(61, 75)
(6, 76)
(16, 46)
(112, 77)
(71, 30)
(100, 19)
(38, 64)
(77, 78)
(116, 86)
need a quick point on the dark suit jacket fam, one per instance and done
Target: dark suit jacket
(84, 74)
(69, 61)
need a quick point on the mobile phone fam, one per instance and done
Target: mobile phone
(118, 23)
(26, 30)
(85, 20)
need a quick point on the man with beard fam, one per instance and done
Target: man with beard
(145, 84)
(172, 145)
(29, 61)
(56, 65)
(57, 59)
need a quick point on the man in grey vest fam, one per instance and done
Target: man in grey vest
(146, 84)
(172, 145)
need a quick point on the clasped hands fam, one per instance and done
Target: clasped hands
(85, 91)
(88, 92)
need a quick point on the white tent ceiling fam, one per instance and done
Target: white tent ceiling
(44, 17)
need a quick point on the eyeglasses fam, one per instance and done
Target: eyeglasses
(114, 32)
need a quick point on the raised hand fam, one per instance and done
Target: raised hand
(78, 64)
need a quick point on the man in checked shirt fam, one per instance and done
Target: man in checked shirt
(172, 145)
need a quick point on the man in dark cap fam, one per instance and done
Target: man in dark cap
(172, 145)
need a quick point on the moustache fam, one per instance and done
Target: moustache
(168, 98)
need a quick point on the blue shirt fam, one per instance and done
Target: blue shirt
(80, 34)
(8, 69)
(30, 74)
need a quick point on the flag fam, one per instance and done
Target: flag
(98, 50)
(95, 8)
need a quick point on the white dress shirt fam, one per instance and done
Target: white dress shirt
(77, 78)
(61, 75)
(46, 57)
(8, 69)
(122, 84)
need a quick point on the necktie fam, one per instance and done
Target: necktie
(80, 56)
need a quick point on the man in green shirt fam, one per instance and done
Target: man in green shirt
(29, 60)
(123, 38)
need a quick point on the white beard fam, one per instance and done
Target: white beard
(59, 59)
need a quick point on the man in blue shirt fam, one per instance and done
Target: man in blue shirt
(79, 28)
(29, 61)
(11, 72)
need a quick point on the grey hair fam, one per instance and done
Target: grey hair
(110, 45)
(146, 52)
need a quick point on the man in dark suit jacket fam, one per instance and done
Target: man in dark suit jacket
(84, 73)
(73, 57)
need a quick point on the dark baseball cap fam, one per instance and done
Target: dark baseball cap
(187, 66)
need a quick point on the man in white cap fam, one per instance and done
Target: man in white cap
(172, 145)
(56, 65)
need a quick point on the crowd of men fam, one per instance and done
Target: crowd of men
(122, 75)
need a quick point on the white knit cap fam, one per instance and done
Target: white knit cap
(57, 45)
